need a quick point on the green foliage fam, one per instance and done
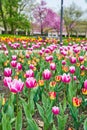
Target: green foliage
(11, 17)
(62, 117)
(45, 112)
(18, 123)
(85, 124)
(6, 125)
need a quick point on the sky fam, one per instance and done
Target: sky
(55, 4)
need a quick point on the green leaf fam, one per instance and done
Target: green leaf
(18, 123)
(10, 111)
(32, 125)
(85, 124)
(32, 93)
(6, 125)
(54, 128)
(41, 111)
(0, 126)
(26, 109)
(62, 122)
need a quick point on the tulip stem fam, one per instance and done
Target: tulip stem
(29, 90)
(17, 103)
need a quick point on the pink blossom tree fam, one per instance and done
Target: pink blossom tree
(52, 20)
(46, 18)
(40, 13)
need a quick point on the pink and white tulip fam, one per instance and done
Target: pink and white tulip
(14, 63)
(7, 80)
(66, 78)
(29, 73)
(16, 86)
(30, 82)
(85, 84)
(19, 66)
(72, 69)
(46, 74)
(55, 110)
(14, 57)
(53, 66)
(7, 72)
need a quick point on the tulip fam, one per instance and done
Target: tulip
(29, 73)
(85, 84)
(30, 82)
(52, 84)
(13, 63)
(16, 86)
(52, 66)
(46, 74)
(63, 62)
(7, 72)
(84, 91)
(49, 58)
(27, 56)
(66, 78)
(52, 95)
(31, 66)
(63, 53)
(82, 67)
(19, 66)
(58, 78)
(14, 57)
(81, 58)
(41, 82)
(55, 110)
(6, 52)
(74, 77)
(72, 69)
(7, 80)
(76, 101)
(73, 60)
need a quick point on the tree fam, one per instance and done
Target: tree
(2, 15)
(46, 18)
(52, 20)
(11, 15)
(71, 15)
(40, 13)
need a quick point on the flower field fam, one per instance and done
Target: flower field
(45, 81)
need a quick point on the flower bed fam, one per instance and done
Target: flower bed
(51, 82)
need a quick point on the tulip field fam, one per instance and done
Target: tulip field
(44, 83)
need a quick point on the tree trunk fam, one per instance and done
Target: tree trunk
(3, 17)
